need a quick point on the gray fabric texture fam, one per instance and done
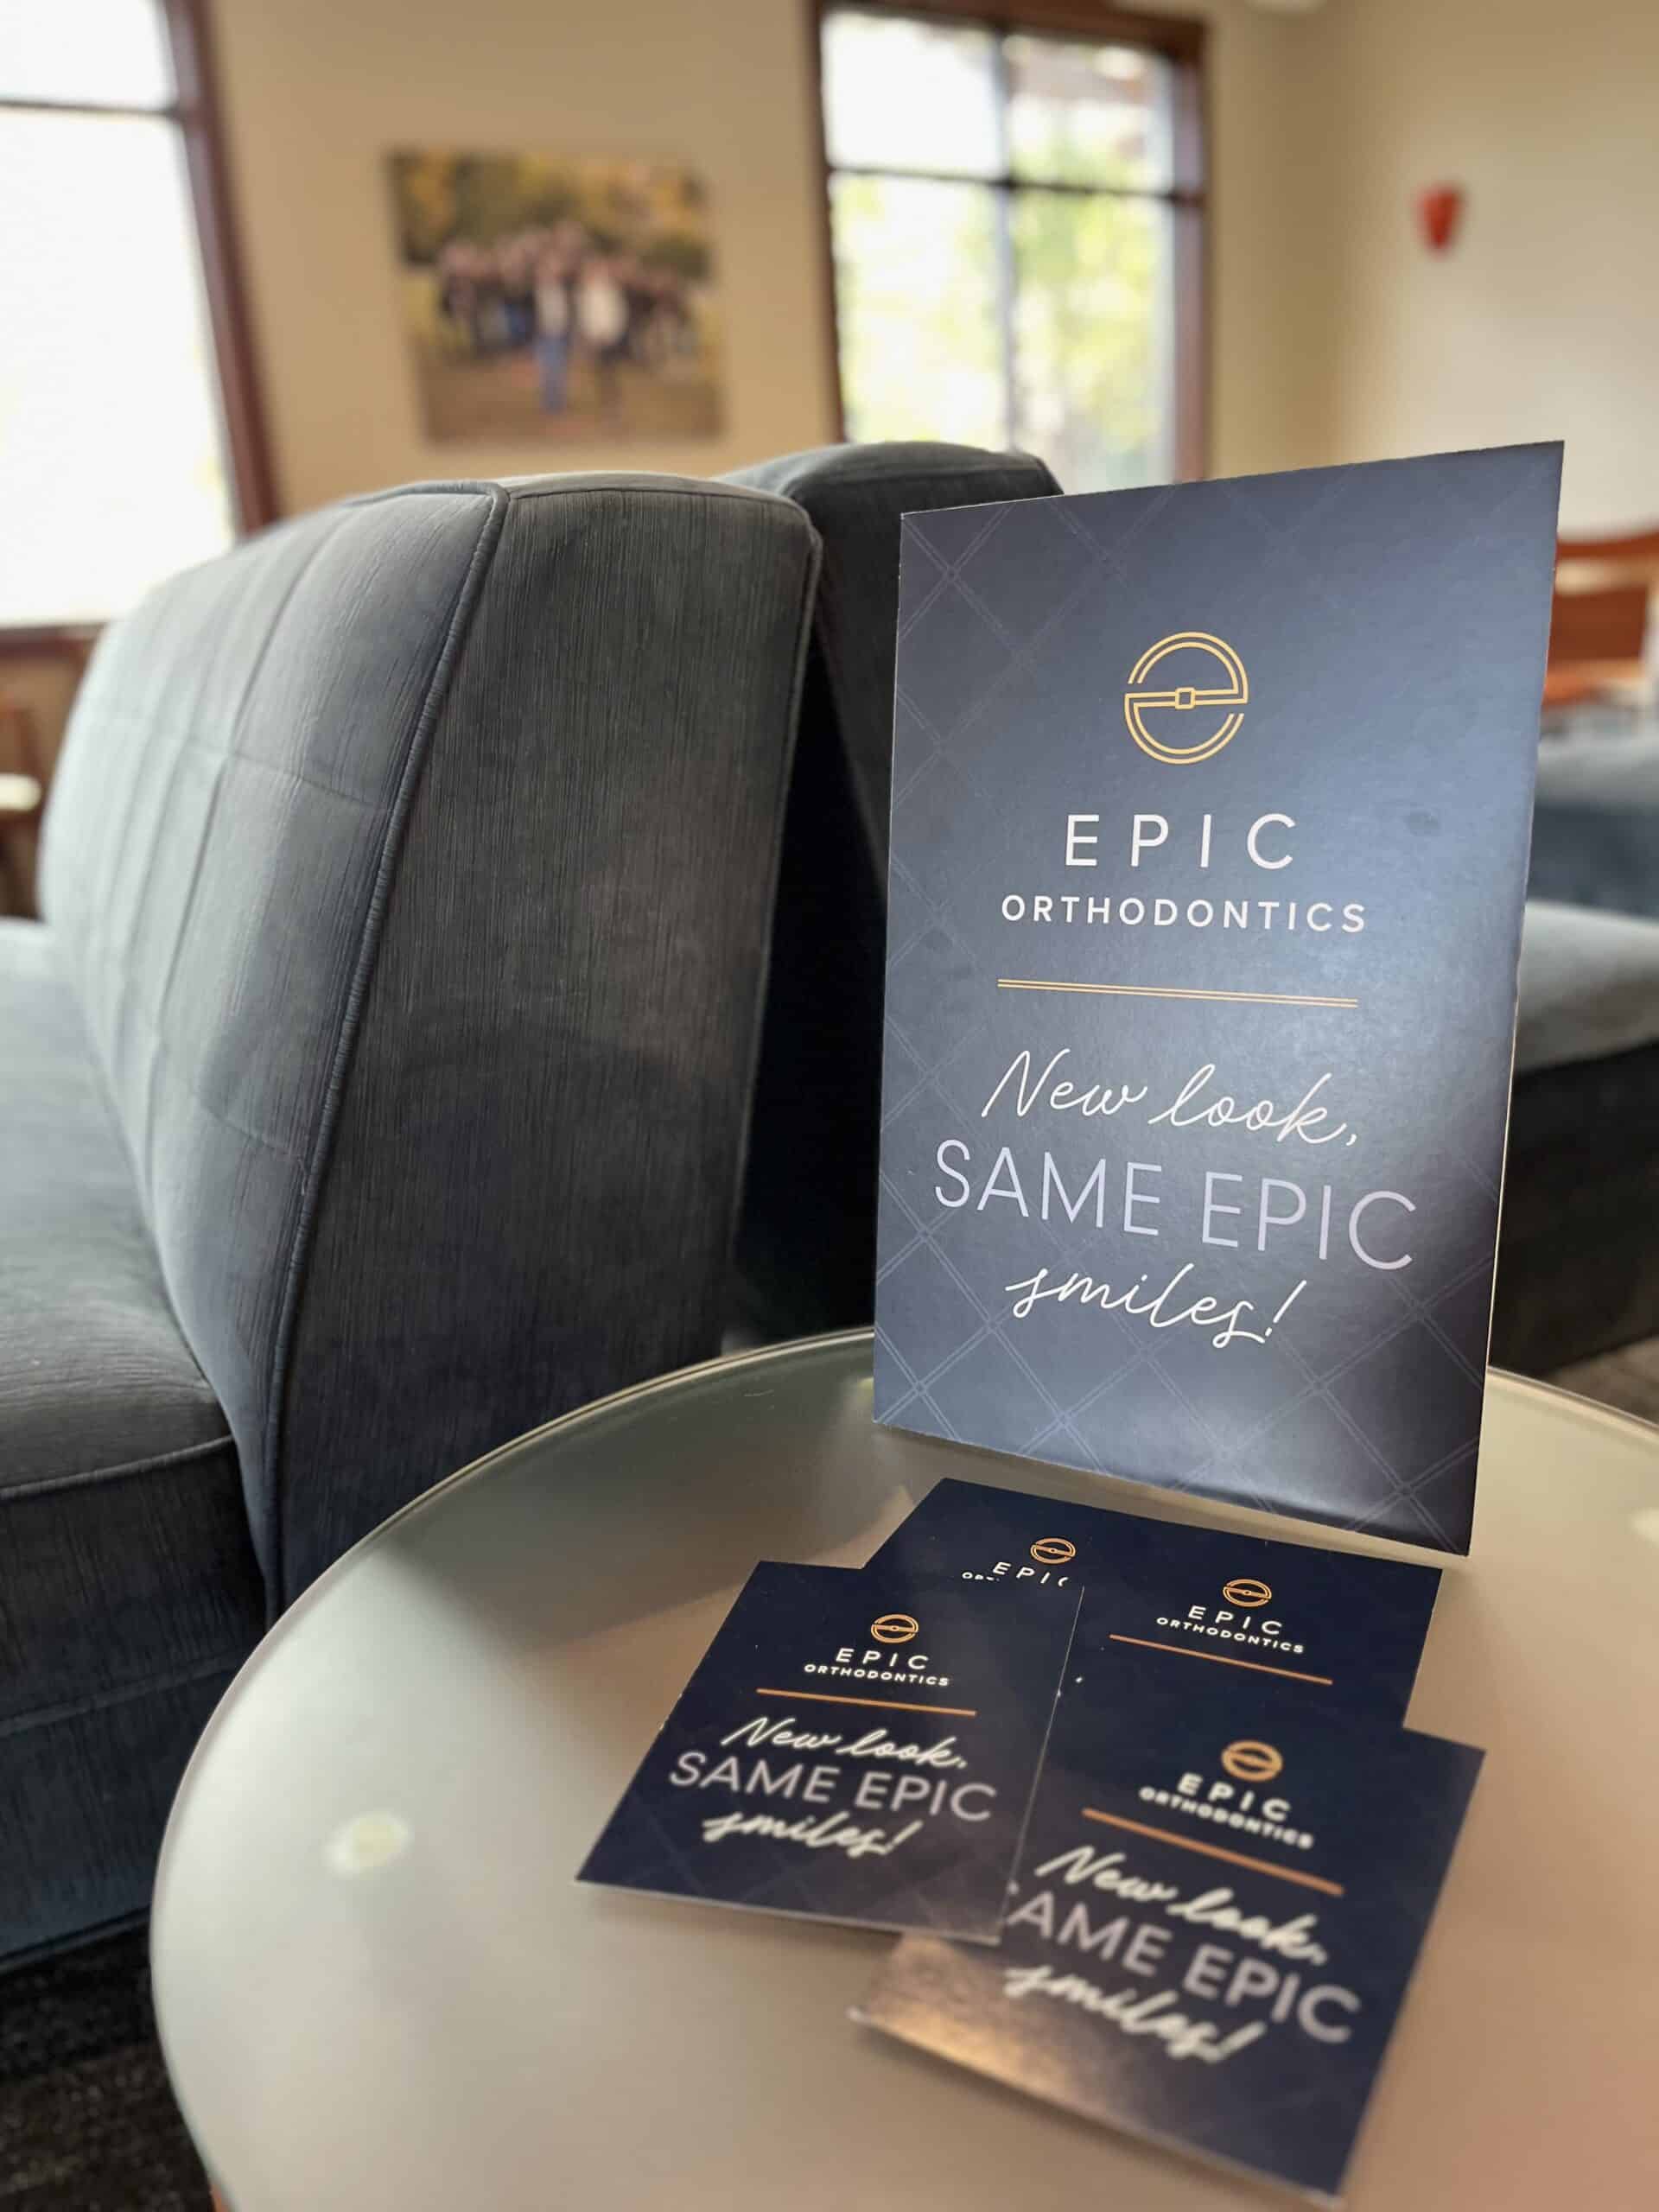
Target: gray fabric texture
(94, 1373)
(125, 1554)
(854, 496)
(83, 1804)
(128, 1584)
(1589, 985)
(806, 1245)
(1577, 1263)
(1595, 827)
(412, 869)
(1577, 1257)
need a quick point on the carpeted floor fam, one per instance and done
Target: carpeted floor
(87, 2122)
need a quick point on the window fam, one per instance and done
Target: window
(1016, 213)
(129, 437)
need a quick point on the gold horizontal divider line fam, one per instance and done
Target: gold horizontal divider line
(1163, 991)
(881, 1703)
(1221, 1659)
(1214, 1851)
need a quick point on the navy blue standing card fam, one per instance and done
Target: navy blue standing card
(1220, 1902)
(853, 1746)
(1210, 815)
(1334, 1626)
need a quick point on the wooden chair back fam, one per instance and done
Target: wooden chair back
(1604, 588)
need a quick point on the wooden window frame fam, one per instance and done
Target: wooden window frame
(194, 111)
(1179, 40)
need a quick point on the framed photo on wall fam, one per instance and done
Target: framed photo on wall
(547, 296)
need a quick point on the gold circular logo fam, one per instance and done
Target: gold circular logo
(1053, 1551)
(1245, 1590)
(895, 1628)
(1250, 1762)
(1148, 711)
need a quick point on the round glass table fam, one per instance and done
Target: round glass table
(378, 1985)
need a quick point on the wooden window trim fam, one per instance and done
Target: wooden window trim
(1181, 42)
(252, 479)
(196, 113)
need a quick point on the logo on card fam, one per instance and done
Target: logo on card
(895, 1628)
(1196, 705)
(1245, 1590)
(1053, 1551)
(1248, 1761)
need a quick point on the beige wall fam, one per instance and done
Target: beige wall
(1543, 321)
(1264, 230)
(1334, 333)
(317, 90)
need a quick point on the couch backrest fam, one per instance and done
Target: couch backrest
(807, 1244)
(413, 865)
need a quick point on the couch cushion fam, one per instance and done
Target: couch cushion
(412, 864)
(124, 1556)
(94, 1373)
(1595, 825)
(806, 1242)
(85, 1803)
(219, 831)
(1577, 1257)
(1589, 985)
(1578, 1268)
(854, 496)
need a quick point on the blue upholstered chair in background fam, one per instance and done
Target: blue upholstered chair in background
(1595, 827)
(375, 1087)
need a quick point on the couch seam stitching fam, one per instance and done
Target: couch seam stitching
(44, 1485)
(48, 1716)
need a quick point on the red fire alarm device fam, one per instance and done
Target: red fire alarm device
(1439, 211)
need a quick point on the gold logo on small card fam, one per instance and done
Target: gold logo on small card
(1245, 1590)
(1247, 1761)
(1053, 1551)
(895, 1628)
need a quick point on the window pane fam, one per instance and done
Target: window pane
(1088, 114)
(900, 94)
(104, 52)
(915, 287)
(1091, 320)
(110, 472)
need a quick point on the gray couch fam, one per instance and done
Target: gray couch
(806, 1242)
(376, 1084)
(1578, 1255)
(1595, 829)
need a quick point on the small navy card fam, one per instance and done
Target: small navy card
(854, 1746)
(1335, 1626)
(1219, 1905)
(1210, 815)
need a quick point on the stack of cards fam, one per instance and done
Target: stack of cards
(1136, 1793)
